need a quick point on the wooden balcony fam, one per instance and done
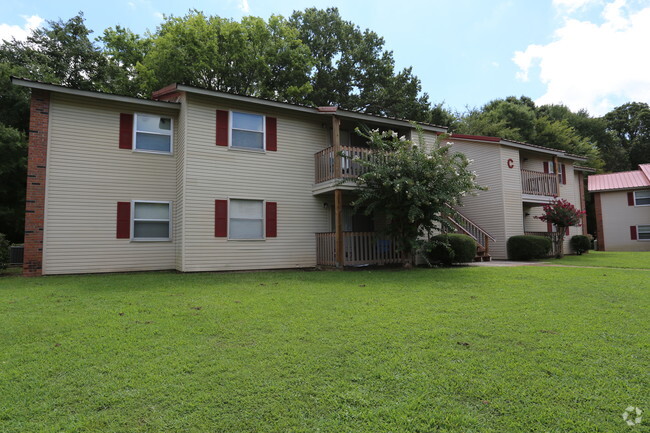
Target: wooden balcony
(538, 183)
(330, 166)
(360, 248)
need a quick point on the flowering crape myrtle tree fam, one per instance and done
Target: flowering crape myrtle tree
(413, 185)
(563, 214)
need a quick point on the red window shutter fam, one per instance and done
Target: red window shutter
(633, 233)
(271, 134)
(630, 198)
(549, 227)
(271, 219)
(563, 174)
(545, 166)
(123, 220)
(220, 218)
(126, 131)
(222, 128)
(566, 232)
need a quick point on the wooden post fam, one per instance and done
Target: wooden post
(487, 246)
(336, 144)
(556, 168)
(583, 204)
(338, 220)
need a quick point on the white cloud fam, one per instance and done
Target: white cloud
(8, 32)
(243, 6)
(594, 66)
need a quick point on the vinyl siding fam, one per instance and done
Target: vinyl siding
(179, 226)
(87, 174)
(486, 208)
(617, 219)
(513, 205)
(286, 177)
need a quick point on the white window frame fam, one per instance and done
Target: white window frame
(635, 203)
(135, 134)
(638, 232)
(231, 127)
(169, 221)
(263, 238)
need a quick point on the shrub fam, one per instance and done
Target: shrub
(4, 252)
(528, 247)
(450, 248)
(580, 244)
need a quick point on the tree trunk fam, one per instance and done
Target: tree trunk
(559, 247)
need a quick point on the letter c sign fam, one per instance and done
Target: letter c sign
(511, 163)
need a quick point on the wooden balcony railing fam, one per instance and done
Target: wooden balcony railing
(361, 248)
(538, 183)
(325, 163)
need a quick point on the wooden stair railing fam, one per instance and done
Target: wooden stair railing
(471, 229)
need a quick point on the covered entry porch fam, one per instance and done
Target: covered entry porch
(353, 239)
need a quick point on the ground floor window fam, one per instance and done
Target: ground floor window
(644, 232)
(151, 220)
(246, 219)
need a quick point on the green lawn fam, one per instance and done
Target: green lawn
(470, 349)
(634, 260)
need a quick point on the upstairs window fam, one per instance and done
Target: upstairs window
(151, 221)
(642, 198)
(152, 133)
(247, 131)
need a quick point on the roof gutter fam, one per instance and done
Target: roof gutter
(343, 114)
(92, 94)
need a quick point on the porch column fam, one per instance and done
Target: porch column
(338, 220)
(583, 205)
(336, 144)
(556, 166)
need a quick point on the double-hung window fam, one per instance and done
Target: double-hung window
(152, 220)
(247, 131)
(642, 198)
(644, 232)
(246, 219)
(152, 133)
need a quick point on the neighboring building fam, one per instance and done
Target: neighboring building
(521, 178)
(622, 203)
(198, 180)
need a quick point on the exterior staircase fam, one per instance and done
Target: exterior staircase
(467, 227)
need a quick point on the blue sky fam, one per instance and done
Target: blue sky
(589, 54)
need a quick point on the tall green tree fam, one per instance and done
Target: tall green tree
(354, 71)
(251, 57)
(630, 124)
(412, 185)
(13, 148)
(520, 119)
(124, 52)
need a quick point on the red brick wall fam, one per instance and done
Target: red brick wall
(600, 234)
(35, 203)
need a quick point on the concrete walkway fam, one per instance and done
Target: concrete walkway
(507, 263)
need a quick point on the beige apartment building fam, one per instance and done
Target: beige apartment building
(199, 180)
(622, 203)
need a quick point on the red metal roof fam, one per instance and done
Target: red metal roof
(623, 180)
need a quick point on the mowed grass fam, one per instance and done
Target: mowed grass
(541, 349)
(629, 260)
